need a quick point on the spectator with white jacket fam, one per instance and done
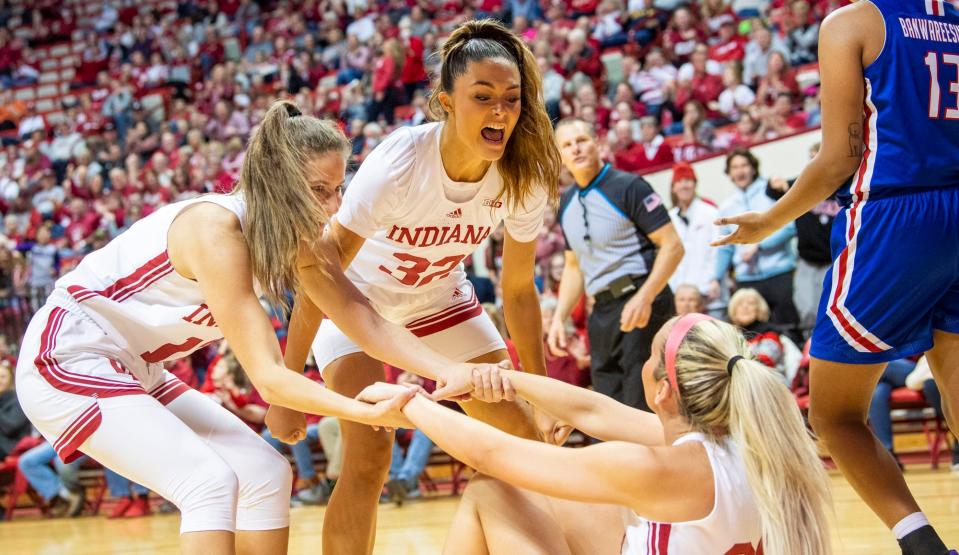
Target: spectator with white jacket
(693, 219)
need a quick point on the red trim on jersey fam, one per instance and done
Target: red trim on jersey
(72, 382)
(448, 319)
(169, 390)
(662, 544)
(842, 263)
(649, 537)
(73, 437)
(129, 285)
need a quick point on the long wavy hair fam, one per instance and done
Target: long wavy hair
(531, 159)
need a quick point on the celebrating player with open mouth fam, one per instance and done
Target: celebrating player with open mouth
(422, 201)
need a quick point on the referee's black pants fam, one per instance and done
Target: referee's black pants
(617, 358)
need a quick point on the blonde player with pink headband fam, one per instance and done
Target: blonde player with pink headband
(724, 466)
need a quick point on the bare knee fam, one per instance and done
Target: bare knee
(483, 489)
(366, 452)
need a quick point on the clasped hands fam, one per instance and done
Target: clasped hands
(463, 382)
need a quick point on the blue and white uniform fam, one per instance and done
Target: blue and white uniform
(895, 272)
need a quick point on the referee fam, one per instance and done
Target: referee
(622, 249)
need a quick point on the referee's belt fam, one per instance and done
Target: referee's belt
(620, 287)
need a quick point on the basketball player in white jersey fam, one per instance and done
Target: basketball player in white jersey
(421, 202)
(724, 466)
(90, 375)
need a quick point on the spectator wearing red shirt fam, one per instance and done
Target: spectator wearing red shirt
(10, 54)
(211, 50)
(227, 384)
(780, 79)
(655, 151)
(386, 71)
(413, 75)
(580, 56)
(682, 35)
(579, 8)
(628, 155)
(780, 119)
(702, 86)
(729, 45)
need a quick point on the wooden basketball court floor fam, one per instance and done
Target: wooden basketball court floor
(420, 527)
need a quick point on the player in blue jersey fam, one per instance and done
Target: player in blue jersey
(890, 104)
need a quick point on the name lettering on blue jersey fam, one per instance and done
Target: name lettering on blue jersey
(921, 28)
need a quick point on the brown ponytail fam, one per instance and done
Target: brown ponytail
(281, 209)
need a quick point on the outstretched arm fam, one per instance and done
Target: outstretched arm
(844, 49)
(614, 472)
(592, 413)
(219, 260)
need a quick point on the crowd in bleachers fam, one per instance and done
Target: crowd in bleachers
(111, 109)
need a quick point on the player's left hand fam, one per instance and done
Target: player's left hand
(753, 227)
(636, 313)
(286, 425)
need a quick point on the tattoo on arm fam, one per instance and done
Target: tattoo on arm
(855, 140)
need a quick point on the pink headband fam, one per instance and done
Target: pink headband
(675, 339)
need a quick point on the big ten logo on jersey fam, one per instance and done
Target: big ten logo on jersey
(201, 317)
(492, 202)
(745, 549)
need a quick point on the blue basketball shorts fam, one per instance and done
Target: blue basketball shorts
(894, 278)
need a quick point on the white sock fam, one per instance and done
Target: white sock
(909, 524)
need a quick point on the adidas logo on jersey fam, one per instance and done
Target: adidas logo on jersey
(457, 294)
(458, 213)
(493, 202)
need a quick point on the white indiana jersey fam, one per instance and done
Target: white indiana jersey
(731, 528)
(130, 290)
(419, 224)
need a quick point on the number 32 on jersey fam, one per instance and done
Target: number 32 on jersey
(411, 269)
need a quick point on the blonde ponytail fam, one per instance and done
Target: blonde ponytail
(722, 391)
(281, 208)
(787, 478)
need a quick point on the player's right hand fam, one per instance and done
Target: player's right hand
(286, 425)
(752, 227)
(385, 405)
(556, 338)
(483, 382)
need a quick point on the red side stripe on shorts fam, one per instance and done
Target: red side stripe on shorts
(71, 382)
(447, 321)
(127, 286)
(852, 331)
(468, 303)
(169, 390)
(662, 546)
(73, 437)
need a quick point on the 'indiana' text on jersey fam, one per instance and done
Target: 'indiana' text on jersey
(429, 236)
